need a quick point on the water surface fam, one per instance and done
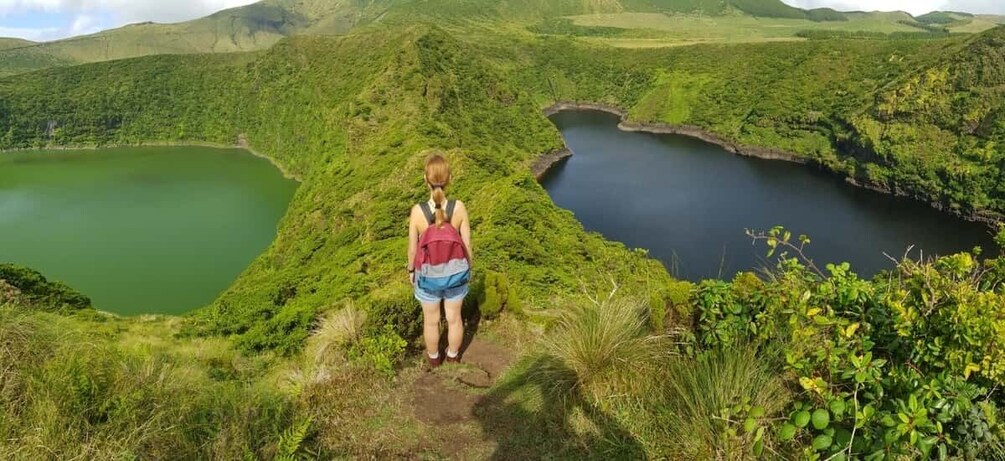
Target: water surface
(689, 202)
(140, 230)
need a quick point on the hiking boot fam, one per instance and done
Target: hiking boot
(452, 359)
(433, 363)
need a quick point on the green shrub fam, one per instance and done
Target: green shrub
(658, 312)
(901, 362)
(671, 305)
(497, 294)
(399, 310)
(383, 351)
(35, 290)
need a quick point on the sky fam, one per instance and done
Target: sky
(42, 20)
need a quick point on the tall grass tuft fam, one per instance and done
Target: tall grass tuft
(336, 331)
(68, 390)
(698, 389)
(598, 346)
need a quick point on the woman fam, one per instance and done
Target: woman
(439, 257)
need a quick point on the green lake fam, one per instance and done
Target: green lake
(143, 230)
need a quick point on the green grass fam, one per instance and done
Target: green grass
(253, 27)
(6, 43)
(692, 29)
(698, 390)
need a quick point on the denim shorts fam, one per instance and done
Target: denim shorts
(450, 294)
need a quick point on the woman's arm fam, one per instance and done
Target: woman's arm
(465, 228)
(413, 241)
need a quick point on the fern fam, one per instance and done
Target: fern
(290, 447)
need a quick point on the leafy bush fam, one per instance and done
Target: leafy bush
(892, 367)
(382, 351)
(32, 288)
(398, 311)
(497, 294)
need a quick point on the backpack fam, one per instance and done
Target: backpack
(442, 260)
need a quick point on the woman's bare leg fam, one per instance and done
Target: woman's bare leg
(431, 327)
(455, 326)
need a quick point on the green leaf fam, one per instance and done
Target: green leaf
(837, 408)
(822, 442)
(801, 419)
(749, 424)
(821, 419)
(787, 432)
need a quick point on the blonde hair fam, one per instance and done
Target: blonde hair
(438, 178)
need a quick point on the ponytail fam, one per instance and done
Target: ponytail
(440, 199)
(438, 177)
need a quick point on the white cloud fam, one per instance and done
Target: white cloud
(915, 7)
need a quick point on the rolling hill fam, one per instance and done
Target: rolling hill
(656, 22)
(6, 43)
(253, 27)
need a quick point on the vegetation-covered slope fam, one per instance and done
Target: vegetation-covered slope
(260, 25)
(6, 43)
(252, 27)
(288, 360)
(939, 132)
(352, 117)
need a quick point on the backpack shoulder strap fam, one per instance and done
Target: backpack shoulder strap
(430, 218)
(451, 204)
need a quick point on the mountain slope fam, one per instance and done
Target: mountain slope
(252, 27)
(940, 131)
(6, 43)
(260, 25)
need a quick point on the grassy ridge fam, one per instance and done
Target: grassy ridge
(6, 43)
(354, 116)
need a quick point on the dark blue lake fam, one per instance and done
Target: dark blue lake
(689, 202)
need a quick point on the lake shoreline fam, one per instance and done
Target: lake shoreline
(241, 144)
(545, 162)
(690, 131)
(991, 219)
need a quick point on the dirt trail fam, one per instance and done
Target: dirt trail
(445, 399)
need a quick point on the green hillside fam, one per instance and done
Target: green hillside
(6, 43)
(253, 27)
(938, 132)
(313, 352)
(655, 23)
